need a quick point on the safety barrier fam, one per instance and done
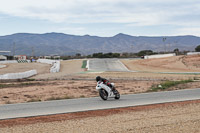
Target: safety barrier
(87, 66)
(55, 67)
(55, 64)
(23, 61)
(18, 75)
(193, 53)
(2, 66)
(6, 62)
(159, 56)
(45, 61)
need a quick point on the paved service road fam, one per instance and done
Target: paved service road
(85, 104)
(106, 65)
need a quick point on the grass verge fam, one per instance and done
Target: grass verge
(34, 100)
(23, 84)
(167, 84)
(84, 64)
(4, 86)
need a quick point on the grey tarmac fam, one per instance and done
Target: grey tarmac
(86, 104)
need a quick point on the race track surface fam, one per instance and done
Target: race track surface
(85, 104)
(106, 65)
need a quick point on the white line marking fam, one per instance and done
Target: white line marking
(123, 65)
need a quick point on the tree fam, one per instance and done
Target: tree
(197, 49)
(176, 51)
(145, 52)
(97, 55)
(106, 55)
(78, 54)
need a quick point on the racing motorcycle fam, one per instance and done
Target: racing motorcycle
(106, 92)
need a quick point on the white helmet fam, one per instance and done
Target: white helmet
(112, 84)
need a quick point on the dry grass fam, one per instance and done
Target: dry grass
(19, 92)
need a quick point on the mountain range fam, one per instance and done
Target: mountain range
(65, 44)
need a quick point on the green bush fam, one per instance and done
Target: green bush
(106, 55)
(197, 49)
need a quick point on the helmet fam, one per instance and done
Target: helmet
(113, 85)
(98, 78)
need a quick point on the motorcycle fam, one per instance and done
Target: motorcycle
(106, 92)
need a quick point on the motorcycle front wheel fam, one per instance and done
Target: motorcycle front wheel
(117, 95)
(103, 94)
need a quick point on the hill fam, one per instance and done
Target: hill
(65, 44)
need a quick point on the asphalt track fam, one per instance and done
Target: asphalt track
(109, 65)
(106, 65)
(85, 104)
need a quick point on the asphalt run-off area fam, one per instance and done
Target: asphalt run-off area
(106, 65)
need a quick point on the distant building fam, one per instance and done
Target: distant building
(2, 57)
(51, 57)
(47, 57)
(20, 57)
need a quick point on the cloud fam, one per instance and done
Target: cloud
(72, 30)
(189, 31)
(85, 11)
(128, 12)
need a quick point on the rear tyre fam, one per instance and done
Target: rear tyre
(103, 94)
(117, 95)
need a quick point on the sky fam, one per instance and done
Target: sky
(101, 17)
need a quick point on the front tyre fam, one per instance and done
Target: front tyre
(117, 95)
(103, 94)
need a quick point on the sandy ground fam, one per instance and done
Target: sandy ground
(182, 117)
(139, 76)
(67, 70)
(169, 64)
(22, 67)
(147, 69)
(71, 69)
(73, 82)
(19, 92)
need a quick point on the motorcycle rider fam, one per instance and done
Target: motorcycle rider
(106, 82)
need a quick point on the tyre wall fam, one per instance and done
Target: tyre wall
(2, 66)
(23, 61)
(55, 64)
(10, 61)
(193, 53)
(18, 75)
